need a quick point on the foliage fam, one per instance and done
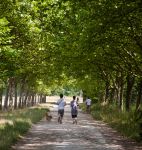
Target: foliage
(123, 122)
(52, 38)
(51, 46)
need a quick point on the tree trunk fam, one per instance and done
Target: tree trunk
(15, 101)
(11, 92)
(138, 102)
(130, 83)
(6, 96)
(29, 99)
(107, 91)
(1, 93)
(117, 95)
(26, 97)
(121, 104)
(40, 98)
(20, 100)
(21, 94)
(121, 88)
(112, 94)
(33, 99)
(119, 85)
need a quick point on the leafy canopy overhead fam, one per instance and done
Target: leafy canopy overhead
(55, 42)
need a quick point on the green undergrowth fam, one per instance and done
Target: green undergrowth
(17, 123)
(124, 122)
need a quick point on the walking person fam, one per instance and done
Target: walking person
(88, 104)
(74, 110)
(61, 104)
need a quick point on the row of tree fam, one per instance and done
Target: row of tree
(104, 50)
(93, 45)
(21, 54)
(118, 58)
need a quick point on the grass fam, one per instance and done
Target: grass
(18, 123)
(124, 122)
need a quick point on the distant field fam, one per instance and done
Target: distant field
(55, 99)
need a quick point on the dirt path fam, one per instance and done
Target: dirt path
(86, 135)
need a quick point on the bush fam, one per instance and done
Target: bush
(124, 122)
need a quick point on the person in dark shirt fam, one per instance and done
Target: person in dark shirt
(74, 110)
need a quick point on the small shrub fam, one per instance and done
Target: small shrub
(124, 122)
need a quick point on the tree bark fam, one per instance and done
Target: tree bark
(33, 95)
(38, 98)
(6, 95)
(29, 99)
(121, 88)
(130, 82)
(139, 96)
(107, 91)
(1, 93)
(121, 104)
(35, 99)
(26, 97)
(11, 92)
(15, 101)
(21, 93)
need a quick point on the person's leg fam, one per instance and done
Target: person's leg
(62, 114)
(59, 116)
(73, 117)
(89, 107)
(76, 119)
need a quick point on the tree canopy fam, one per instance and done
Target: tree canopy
(90, 45)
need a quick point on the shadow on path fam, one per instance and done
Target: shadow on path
(88, 134)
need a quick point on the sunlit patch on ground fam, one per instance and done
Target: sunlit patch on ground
(86, 135)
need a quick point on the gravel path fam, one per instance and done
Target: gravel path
(88, 134)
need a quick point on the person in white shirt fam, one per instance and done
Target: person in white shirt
(61, 104)
(88, 104)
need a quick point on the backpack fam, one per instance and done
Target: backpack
(74, 105)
